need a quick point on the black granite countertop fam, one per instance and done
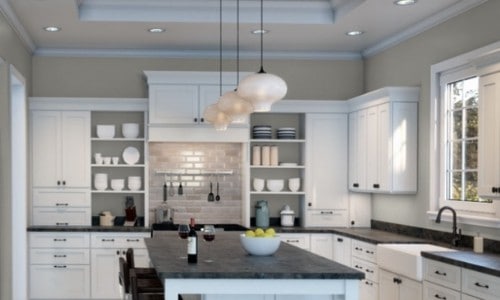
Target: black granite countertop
(89, 228)
(481, 262)
(232, 262)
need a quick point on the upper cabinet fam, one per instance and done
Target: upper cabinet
(61, 149)
(489, 136)
(383, 129)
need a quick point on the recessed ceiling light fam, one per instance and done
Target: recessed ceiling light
(52, 28)
(354, 32)
(405, 2)
(156, 30)
(260, 31)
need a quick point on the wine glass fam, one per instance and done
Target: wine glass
(209, 236)
(183, 234)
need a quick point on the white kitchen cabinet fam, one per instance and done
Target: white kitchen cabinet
(301, 240)
(61, 207)
(364, 259)
(489, 136)
(60, 149)
(395, 287)
(326, 164)
(480, 285)
(341, 249)
(383, 141)
(433, 291)
(322, 244)
(106, 249)
(59, 265)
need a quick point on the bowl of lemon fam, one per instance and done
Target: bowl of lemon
(260, 242)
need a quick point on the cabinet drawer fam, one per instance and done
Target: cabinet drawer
(368, 290)
(441, 273)
(327, 217)
(364, 251)
(61, 216)
(57, 198)
(59, 256)
(467, 297)
(59, 282)
(59, 240)
(480, 285)
(370, 269)
(119, 240)
(437, 292)
(300, 240)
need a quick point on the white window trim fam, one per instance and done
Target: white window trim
(462, 65)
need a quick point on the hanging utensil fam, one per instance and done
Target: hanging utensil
(211, 194)
(217, 198)
(171, 192)
(165, 190)
(180, 190)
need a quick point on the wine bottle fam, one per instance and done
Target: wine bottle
(192, 246)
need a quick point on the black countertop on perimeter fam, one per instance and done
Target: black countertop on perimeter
(232, 262)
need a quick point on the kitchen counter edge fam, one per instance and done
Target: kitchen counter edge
(88, 229)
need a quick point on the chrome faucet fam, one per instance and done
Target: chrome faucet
(457, 236)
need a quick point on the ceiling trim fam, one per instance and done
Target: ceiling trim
(15, 24)
(418, 28)
(193, 54)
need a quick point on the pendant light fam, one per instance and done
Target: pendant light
(231, 103)
(212, 113)
(262, 89)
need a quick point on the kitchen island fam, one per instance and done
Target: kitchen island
(289, 272)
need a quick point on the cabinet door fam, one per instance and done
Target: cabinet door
(388, 288)
(372, 149)
(368, 290)
(489, 136)
(299, 240)
(382, 180)
(209, 94)
(322, 245)
(46, 148)
(326, 157)
(59, 282)
(410, 289)
(75, 143)
(173, 104)
(105, 270)
(341, 249)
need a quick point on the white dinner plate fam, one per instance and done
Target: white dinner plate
(131, 155)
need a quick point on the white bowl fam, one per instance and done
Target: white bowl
(117, 184)
(258, 184)
(260, 246)
(130, 130)
(101, 186)
(106, 131)
(134, 183)
(275, 185)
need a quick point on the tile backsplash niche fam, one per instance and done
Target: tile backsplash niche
(194, 161)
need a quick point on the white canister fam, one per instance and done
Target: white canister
(274, 156)
(256, 156)
(266, 155)
(287, 216)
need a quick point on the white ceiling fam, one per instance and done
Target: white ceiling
(298, 28)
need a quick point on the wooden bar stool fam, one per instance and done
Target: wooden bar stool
(140, 293)
(141, 272)
(143, 285)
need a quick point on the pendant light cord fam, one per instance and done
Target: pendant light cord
(237, 42)
(220, 47)
(261, 36)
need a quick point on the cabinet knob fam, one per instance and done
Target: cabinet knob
(494, 190)
(196, 120)
(309, 204)
(202, 120)
(340, 240)
(376, 186)
(353, 222)
(356, 185)
(64, 182)
(58, 182)
(397, 280)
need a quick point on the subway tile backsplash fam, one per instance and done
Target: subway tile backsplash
(191, 160)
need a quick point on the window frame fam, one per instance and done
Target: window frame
(459, 67)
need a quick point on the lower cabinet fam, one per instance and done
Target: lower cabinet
(322, 244)
(301, 240)
(80, 265)
(396, 287)
(341, 249)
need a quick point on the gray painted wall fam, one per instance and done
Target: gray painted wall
(409, 64)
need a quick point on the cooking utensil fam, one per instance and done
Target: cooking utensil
(180, 190)
(217, 198)
(165, 190)
(171, 192)
(211, 194)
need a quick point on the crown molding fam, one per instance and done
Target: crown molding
(15, 24)
(428, 23)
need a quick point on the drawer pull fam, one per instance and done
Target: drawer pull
(358, 249)
(133, 240)
(397, 280)
(327, 212)
(62, 204)
(439, 297)
(59, 255)
(440, 273)
(107, 240)
(340, 240)
(60, 266)
(369, 271)
(358, 267)
(62, 223)
(368, 283)
(484, 286)
(292, 241)
(369, 252)
(59, 240)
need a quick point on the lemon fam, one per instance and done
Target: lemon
(270, 231)
(259, 232)
(249, 233)
(268, 235)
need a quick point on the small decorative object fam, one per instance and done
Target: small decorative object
(106, 218)
(130, 211)
(287, 216)
(260, 246)
(266, 155)
(130, 130)
(105, 131)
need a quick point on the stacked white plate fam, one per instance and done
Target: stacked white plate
(134, 183)
(101, 181)
(285, 133)
(262, 132)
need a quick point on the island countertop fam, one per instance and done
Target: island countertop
(230, 261)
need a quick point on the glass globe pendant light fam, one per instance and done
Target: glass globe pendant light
(230, 102)
(262, 89)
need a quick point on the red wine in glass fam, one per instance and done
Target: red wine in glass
(183, 231)
(183, 235)
(208, 236)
